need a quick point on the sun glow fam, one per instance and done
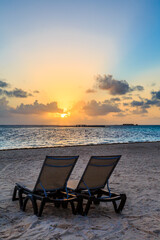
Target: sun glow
(64, 115)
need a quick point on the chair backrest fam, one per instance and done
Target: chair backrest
(55, 172)
(97, 172)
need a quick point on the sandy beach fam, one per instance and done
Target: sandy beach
(137, 175)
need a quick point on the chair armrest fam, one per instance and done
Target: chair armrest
(23, 187)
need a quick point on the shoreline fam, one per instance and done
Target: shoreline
(66, 146)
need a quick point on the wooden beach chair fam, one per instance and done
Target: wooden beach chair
(93, 181)
(51, 185)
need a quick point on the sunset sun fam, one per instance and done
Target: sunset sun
(63, 115)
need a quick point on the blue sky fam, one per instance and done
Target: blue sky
(135, 23)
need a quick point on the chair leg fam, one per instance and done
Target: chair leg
(34, 204)
(121, 205)
(87, 207)
(14, 194)
(64, 204)
(79, 208)
(25, 203)
(57, 204)
(20, 192)
(123, 201)
(73, 207)
(97, 201)
(41, 207)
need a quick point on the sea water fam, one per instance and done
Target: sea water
(12, 137)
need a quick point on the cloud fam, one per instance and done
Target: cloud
(90, 91)
(115, 99)
(141, 106)
(153, 102)
(120, 115)
(147, 103)
(141, 111)
(94, 108)
(137, 88)
(127, 98)
(3, 84)
(18, 93)
(4, 108)
(155, 95)
(137, 103)
(115, 87)
(28, 114)
(144, 104)
(37, 108)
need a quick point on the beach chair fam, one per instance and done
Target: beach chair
(51, 185)
(93, 181)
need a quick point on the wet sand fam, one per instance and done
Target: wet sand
(137, 175)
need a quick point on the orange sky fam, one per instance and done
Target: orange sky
(79, 63)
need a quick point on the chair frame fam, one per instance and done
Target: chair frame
(94, 195)
(59, 196)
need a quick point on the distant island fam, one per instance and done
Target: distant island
(83, 125)
(130, 124)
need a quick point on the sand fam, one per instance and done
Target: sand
(137, 174)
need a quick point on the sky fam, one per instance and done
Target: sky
(79, 62)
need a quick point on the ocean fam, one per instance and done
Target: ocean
(13, 137)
